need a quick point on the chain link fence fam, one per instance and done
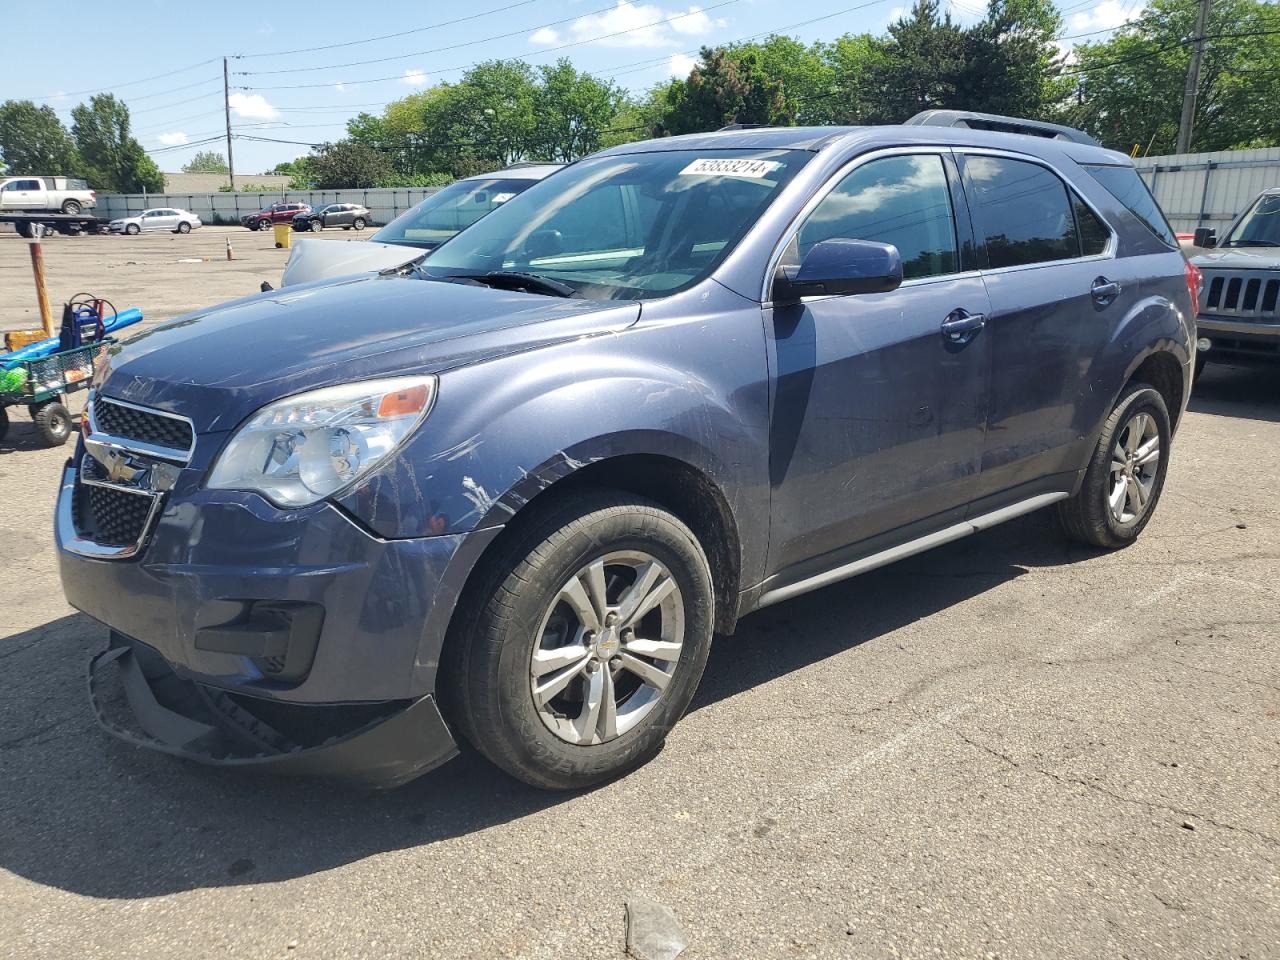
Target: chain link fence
(385, 204)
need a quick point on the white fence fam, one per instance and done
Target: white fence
(1209, 189)
(385, 204)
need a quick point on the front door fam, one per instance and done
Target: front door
(879, 414)
(22, 195)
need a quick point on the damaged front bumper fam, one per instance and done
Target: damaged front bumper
(138, 698)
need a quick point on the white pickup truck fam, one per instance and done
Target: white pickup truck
(44, 194)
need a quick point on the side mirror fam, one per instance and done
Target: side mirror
(1205, 237)
(838, 268)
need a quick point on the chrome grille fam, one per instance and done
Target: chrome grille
(1247, 295)
(131, 423)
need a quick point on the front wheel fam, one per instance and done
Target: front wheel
(1125, 476)
(132, 229)
(584, 644)
(316, 226)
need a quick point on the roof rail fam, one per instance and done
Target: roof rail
(992, 121)
(744, 126)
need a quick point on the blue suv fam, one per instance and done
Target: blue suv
(506, 494)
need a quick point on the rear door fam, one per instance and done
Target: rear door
(878, 414)
(1057, 293)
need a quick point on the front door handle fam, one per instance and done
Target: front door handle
(1104, 291)
(961, 325)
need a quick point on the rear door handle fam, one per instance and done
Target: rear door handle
(960, 325)
(1104, 290)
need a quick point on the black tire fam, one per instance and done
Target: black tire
(1088, 516)
(132, 229)
(485, 677)
(184, 227)
(260, 225)
(71, 207)
(53, 423)
(357, 223)
(4, 423)
(23, 230)
(1202, 359)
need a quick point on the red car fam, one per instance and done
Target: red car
(276, 213)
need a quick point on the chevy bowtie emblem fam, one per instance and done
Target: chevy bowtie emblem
(107, 465)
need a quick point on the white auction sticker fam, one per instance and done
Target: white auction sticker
(718, 167)
(502, 197)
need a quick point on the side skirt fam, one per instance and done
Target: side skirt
(908, 549)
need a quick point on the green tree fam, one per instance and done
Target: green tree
(726, 86)
(206, 161)
(1127, 90)
(1011, 60)
(573, 111)
(917, 66)
(113, 159)
(33, 140)
(347, 164)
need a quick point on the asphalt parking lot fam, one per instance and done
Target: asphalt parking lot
(1010, 747)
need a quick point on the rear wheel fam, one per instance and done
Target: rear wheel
(358, 223)
(184, 227)
(584, 644)
(53, 422)
(72, 207)
(1125, 477)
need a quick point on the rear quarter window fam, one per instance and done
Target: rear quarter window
(1125, 185)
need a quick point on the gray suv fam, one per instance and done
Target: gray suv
(1240, 292)
(505, 495)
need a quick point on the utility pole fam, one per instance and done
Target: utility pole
(1193, 80)
(227, 108)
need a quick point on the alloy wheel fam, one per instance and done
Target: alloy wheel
(607, 648)
(1135, 463)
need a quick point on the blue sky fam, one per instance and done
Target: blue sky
(299, 70)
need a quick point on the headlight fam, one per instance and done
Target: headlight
(301, 449)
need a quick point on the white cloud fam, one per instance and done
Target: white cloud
(1107, 15)
(340, 87)
(696, 23)
(252, 106)
(641, 25)
(897, 13)
(544, 37)
(172, 139)
(680, 65)
(414, 78)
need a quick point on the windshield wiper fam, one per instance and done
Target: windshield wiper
(1251, 243)
(529, 282)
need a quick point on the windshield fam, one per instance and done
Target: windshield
(449, 211)
(1260, 227)
(626, 227)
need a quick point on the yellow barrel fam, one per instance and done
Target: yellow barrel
(284, 236)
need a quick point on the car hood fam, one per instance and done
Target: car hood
(218, 366)
(1241, 258)
(325, 259)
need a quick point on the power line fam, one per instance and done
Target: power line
(455, 46)
(385, 36)
(563, 46)
(126, 83)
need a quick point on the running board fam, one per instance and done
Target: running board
(909, 549)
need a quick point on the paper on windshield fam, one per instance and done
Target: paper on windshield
(727, 167)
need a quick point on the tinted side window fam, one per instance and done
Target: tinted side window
(1093, 232)
(904, 201)
(1021, 210)
(1125, 185)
